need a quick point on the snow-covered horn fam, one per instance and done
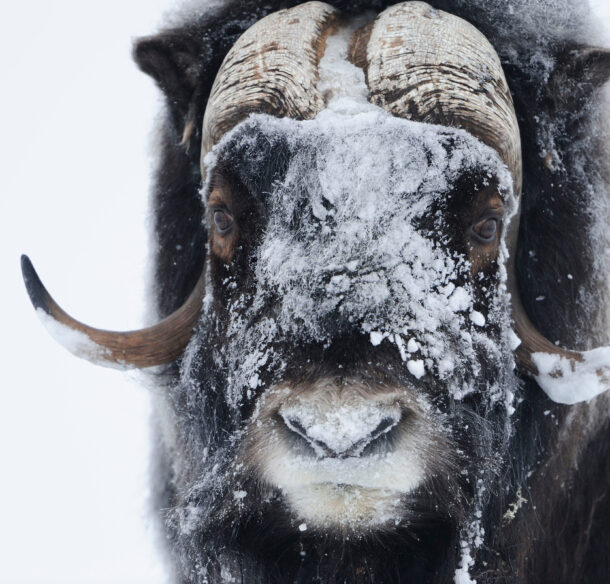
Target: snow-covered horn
(427, 65)
(566, 376)
(156, 345)
(273, 69)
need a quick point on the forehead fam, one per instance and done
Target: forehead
(334, 153)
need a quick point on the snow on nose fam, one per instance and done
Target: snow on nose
(341, 432)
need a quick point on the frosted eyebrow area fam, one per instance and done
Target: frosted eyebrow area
(383, 151)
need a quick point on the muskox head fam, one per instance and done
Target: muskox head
(346, 357)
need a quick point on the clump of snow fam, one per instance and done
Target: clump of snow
(462, 573)
(473, 539)
(514, 340)
(376, 338)
(459, 299)
(567, 381)
(462, 576)
(416, 368)
(477, 318)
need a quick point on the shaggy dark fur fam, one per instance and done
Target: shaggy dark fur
(561, 534)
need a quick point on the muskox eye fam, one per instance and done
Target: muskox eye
(486, 230)
(223, 221)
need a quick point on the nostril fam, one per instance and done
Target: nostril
(384, 426)
(382, 439)
(310, 443)
(343, 432)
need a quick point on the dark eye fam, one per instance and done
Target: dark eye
(486, 230)
(223, 221)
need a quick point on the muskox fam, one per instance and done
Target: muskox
(378, 228)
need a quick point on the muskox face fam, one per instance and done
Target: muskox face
(343, 371)
(356, 327)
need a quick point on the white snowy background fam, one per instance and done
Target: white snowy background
(76, 121)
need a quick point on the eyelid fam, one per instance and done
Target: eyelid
(496, 211)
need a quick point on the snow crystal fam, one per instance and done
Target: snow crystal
(376, 338)
(477, 318)
(412, 346)
(303, 527)
(568, 382)
(416, 368)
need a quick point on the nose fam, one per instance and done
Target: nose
(342, 432)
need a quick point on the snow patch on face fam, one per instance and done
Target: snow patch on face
(568, 382)
(397, 471)
(344, 251)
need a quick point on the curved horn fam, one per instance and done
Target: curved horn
(272, 68)
(430, 66)
(156, 345)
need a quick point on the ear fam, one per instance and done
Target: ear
(590, 65)
(579, 72)
(173, 59)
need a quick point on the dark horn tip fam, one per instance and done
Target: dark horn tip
(36, 290)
